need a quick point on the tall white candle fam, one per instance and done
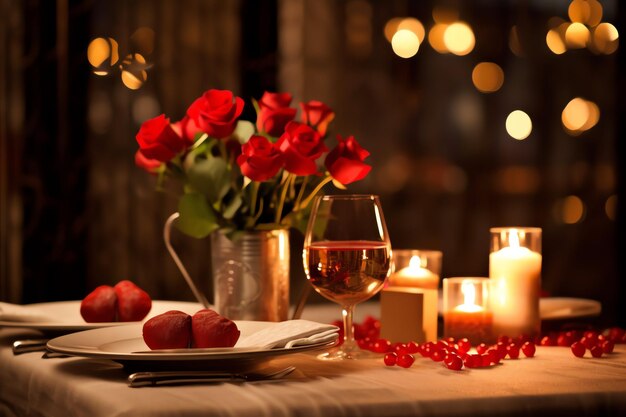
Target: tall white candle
(515, 272)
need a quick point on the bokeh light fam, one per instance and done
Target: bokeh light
(555, 42)
(605, 39)
(518, 125)
(517, 179)
(415, 26)
(572, 210)
(580, 115)
(102, 53)
(133, 69)
(579, 11)
(405, 43)
(576, 36)
(610, 207)
(514, 42)
(487, 77)
(445, 15)
(391, 27)
(459, 38)
(435, 38)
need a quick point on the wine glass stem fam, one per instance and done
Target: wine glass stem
(349, 344)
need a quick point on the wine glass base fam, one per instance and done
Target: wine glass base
(339, 354)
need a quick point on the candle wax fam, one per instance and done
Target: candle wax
(416, 277)
(515, 273)
(474, 323)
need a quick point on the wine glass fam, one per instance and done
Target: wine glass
(347, 257)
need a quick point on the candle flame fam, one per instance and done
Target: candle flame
(513, 238)
(469, 293)
(415, 262)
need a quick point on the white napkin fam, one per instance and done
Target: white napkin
(19, 313)
(291, 333)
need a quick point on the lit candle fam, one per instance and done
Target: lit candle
(515, 272)
(415, 276)
(469, 319)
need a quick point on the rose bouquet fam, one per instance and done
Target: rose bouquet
(238, 175)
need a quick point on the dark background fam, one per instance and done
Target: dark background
(75, 212)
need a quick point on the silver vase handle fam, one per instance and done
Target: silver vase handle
(168, 244)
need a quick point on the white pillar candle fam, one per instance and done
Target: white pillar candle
(515, 272)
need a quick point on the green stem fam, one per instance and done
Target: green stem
(200, 141)
(283, 196)
(314, 192)
(253, 196)
(296, 205)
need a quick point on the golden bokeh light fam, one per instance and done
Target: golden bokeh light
(580, 115)
(605, 39)
(459, 38)
(133, 71)
(555, 42)
(610, 207)
(435, 38)
(134, 81)
(518, 125)
(576, 36)
(391, 27)
(579, 11)
(487, 77)
(572, 210)
(143, 40)
(115, 56)
(405, 43)
(595, 13)
(415, 26)
(98, 53)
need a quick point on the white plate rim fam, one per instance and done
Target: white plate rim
(71, 344)
(77, 323)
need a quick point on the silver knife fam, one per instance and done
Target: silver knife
(29, 345)
(160, 378)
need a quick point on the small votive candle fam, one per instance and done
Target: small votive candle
(416, 268)
(515, 274)
(466, 311)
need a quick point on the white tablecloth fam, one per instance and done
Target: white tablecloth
(552, 383)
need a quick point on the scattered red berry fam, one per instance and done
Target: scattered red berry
(529, 349)
(607, 346)
(390, 358)
(454, 362)
(464, 345)
(513, 351)
(382, 346)
(412, 347)
(405, 361)
(437, 355)
(482, 348)
(578, 349)
(596, 351)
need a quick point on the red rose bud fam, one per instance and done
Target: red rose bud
(150, 165)
(301, 146)
(345, 162)
(215, 113)
(260, 160)
(317, 114)
(157, 140)
(274, 113)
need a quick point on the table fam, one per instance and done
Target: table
(552, 383)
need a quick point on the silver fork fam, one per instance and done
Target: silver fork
(143, 379)
(29, 345)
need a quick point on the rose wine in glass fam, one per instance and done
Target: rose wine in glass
(347, 257)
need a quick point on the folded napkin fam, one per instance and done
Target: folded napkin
(291, 333)
(19, 313)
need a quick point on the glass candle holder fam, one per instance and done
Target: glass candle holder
(416, 268)
(466, 309)
(515, 274)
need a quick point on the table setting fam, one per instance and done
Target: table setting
(426, 344)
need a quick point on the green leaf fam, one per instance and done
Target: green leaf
(196, 219)
(210, 177)
(243, 131)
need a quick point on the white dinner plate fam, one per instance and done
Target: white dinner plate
(558, 308)
(64, 316)
(125, 344)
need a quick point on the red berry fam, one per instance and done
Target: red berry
(547, 341)
(616, 334)
(464, 345)
(564, 340)
(412, 347)
(382, 346)
(607, 346)
(437, 355)
(442, 344)
(450, 340)
(596, 351)
(504, 339)
(529, 349)
(453, 362)
(589, 342)
(578, 349)
(405, 361)
(482, 348)
(472, 361)
(399, 348)
(390, 358)
(513, 351)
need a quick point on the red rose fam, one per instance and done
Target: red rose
(345, 162)
(301, 146)
(317, 114)
(148, 164)
(157, 140)
(260, 160)
(186, 129)
(215, 113)
(274, 113)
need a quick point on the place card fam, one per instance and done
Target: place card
(408, 314)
